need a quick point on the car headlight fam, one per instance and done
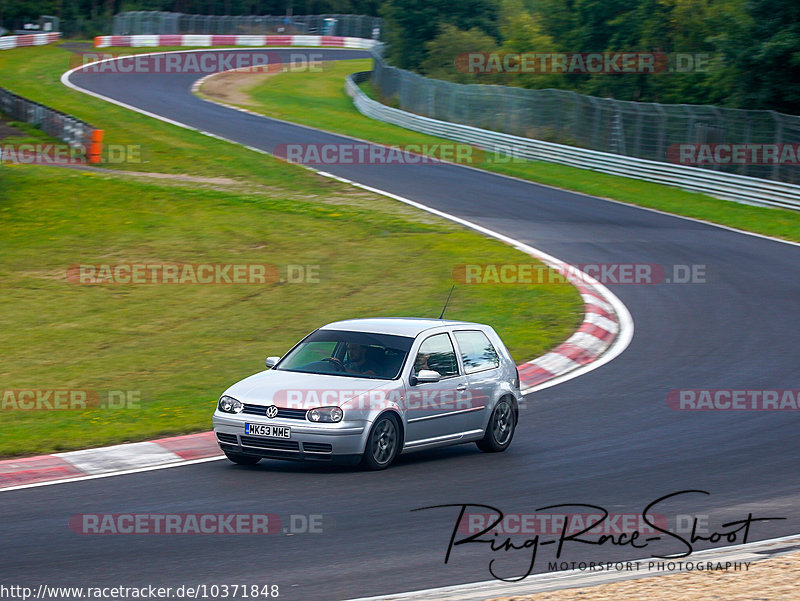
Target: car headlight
(228, 404)
(325, 414)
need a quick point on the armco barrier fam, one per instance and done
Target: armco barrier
(644, 130)
(727, 186)
(150, 22)
(30, 39)
(198, 40)
(59, 125)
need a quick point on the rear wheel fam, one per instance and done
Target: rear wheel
(242, 459)
(383, 443)
(500, 430)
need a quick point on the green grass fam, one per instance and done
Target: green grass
(26, 134)
(165, 148)
(318, 99)
(177, 347)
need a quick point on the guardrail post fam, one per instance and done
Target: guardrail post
(778, 139)
(96, 147)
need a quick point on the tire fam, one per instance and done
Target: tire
(383, 443)
(500, 429)
(242, 459)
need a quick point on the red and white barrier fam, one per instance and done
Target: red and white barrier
(29, 39)
(328, 41)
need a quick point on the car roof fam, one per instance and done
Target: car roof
(399, 326)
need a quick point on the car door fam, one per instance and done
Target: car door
(435, 409)
(482, 369)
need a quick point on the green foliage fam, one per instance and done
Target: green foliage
(444, 50)
(762, 52)
(521, 33)
(751, 48)
(410, 24)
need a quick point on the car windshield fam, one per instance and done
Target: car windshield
(348, 354)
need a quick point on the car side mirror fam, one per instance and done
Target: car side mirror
(271, 362)
(424, 376)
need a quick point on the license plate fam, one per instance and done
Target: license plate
(268, 430)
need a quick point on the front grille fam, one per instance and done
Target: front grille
(317, 447)
(282, 412)
(270, 443)
(230, 438)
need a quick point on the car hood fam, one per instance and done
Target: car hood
(303, 391)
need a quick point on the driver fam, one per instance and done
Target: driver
(357, 362)
(421, 363)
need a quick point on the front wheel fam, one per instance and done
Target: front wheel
(383, 444)
(242, 459)
(500, 430)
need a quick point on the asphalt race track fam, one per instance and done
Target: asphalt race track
(607, 438)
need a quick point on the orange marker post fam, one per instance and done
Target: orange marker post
(96, 147)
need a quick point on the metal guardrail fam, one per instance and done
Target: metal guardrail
(68, 129)
(203, 40)
(170, 23)
(728, 186)
(645, 130)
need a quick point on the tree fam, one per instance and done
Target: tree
(444, 51)
(410, 24)
(524, 33)
(763, 57)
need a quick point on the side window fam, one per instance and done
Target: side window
(437, 353)
(477, 352)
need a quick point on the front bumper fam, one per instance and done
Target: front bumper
(337, 443)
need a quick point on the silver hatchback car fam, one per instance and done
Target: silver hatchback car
(366, 390)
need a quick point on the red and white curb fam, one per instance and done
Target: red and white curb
(117, 459)
(29, 39)
(324, 41)
(595, 335)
